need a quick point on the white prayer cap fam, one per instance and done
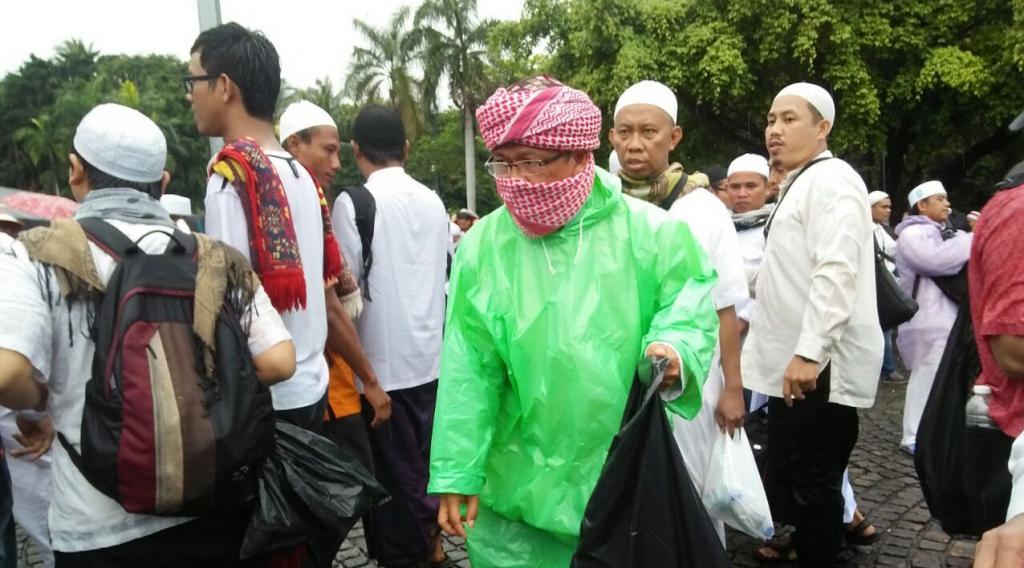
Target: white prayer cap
(925, 190)
(122, 142)
(876, 196)
(176, 204)
(302, 115)
(817, 96)
(752, 163)
(649, 93)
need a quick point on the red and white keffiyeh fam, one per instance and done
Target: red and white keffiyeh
(540, 113)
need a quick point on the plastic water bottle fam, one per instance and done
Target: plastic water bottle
(977, 409)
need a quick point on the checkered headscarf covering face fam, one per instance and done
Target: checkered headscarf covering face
(540, 113)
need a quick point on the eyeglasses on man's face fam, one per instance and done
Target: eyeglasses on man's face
(190, 81)
(502, 170)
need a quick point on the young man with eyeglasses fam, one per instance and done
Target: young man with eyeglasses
(555, 299)
(400, 328)
(232, 86)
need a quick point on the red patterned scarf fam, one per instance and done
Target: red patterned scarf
(272, 243)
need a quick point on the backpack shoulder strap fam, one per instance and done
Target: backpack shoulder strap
(365, 207)
(107, 237)
(917, 284)
(677, 190)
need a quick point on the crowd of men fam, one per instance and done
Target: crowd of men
(756, 282)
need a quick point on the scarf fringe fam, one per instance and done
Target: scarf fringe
(286, 289)
(333, 264)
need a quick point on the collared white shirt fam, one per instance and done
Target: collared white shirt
(403, 318)
(54, 338)
(226, 221)
(816, 287)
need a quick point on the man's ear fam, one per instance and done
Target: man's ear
(227, 88)
(76, 171)
(677, 136)
(405, 151)
(824, 127)
(356, 153)
(166, 179)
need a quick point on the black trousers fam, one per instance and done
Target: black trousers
(306, 417)
(402, 531)
(809, 446)
(202, 543)
(352, 434)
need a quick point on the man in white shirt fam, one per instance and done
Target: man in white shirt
(233, 84)
(815, 346)
(644, 133)
(401, 330)
(116, 173)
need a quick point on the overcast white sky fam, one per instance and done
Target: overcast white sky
(313, 37)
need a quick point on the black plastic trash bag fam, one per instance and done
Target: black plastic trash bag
(963, 470)
(644, 511)
(308, 487)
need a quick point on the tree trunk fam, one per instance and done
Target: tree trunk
(470, 145)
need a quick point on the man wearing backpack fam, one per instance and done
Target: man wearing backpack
(56, 282)
(394, 233)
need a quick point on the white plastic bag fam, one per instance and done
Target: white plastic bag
(733, 492)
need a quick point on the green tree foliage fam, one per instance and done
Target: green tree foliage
(455, 46)
(437, 161)
(924, 89)
(43, 102)
(384, 70)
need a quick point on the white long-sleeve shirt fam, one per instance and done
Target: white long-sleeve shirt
(816, 288)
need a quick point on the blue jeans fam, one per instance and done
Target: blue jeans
(889, 359)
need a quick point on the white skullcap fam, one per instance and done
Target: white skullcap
(176, 204)
(649, 93)
(876, 196)
(817, 96)
(752, 163)
(122, 142)
(925, 190)
(302, 115)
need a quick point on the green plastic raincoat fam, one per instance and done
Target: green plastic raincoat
(542, 340)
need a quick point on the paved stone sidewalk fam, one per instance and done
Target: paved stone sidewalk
(887, 492)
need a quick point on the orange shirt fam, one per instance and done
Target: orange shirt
(342, 396)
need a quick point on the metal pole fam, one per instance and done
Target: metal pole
(209, 17)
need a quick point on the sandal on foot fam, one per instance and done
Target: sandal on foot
(857, 534)
(777, 551)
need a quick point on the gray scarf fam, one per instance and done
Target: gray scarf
(752, 219)
(123, 204)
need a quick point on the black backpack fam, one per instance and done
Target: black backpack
(365, 207)
(160, 434)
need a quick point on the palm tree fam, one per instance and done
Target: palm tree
(383, 71)
(42, 147)
(455, 45)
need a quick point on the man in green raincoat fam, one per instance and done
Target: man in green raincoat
(554, 299)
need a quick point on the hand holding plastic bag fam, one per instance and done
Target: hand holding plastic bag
(733, 491)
